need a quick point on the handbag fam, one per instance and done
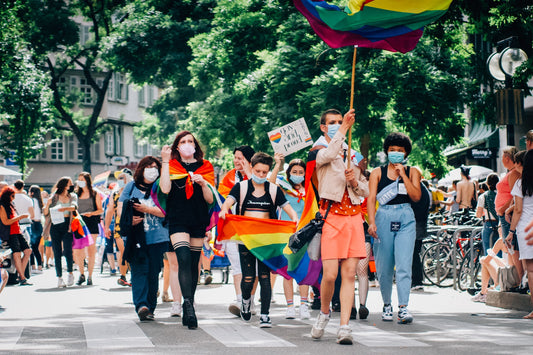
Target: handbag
(306, 234)
(508, 278)
(388, 193)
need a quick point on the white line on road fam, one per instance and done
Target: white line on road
(499, 335)
(234, 335)
(115, 334)
(10, 337)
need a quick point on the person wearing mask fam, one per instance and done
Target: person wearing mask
(342, 187)
(242, 171)
(18, 245)
(90, 209)
(112, 229)
(522, 217)
(393, 226)
(188, 199)
(59, 209)
(260, 201)
(36, 229)
(146, 255)
(505, 186)
(294, 188)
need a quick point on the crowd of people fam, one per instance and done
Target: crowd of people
(161, 214)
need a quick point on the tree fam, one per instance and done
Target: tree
(53, 38)
(25, 99)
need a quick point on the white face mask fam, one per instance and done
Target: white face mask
(150, 174)
(81, 183)
(187, 149)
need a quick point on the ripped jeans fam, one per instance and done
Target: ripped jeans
(249, 265)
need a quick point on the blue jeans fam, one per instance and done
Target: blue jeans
(395, 248)
(506, 226)
(145, 270)
(487, 236)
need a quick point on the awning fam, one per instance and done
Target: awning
(8, 172)
(479, 134)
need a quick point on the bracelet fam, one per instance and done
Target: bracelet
(512, 231)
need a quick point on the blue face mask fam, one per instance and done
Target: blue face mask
(332, 129)
(396, 157)
(258, 180)
(297, 179)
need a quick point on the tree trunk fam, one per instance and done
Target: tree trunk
(86, 148)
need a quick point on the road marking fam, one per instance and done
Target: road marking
(10, 337)
(498, 335)
(235, 334)
(372, 336)
(115, 334)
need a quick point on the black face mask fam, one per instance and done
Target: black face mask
(70, 189)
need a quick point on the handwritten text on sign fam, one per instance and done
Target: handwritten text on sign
(290, 138)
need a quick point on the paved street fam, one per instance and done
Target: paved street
(100, 319)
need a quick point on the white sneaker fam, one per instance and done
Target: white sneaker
(60, 282)
(387, 313)
(175, 309)
(344, 335)
(320, 324)
(404, 316)
(291, 313)
(304, 311)
(70, 279)
(479, 298)
(36, 271)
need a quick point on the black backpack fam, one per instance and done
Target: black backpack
(4, 232)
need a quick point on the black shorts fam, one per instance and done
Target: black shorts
(193, 231)
(17, 243)
(92, 223)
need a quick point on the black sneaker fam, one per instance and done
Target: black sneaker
(143, 313)
(81, 280)
(246, 314)
(363, 312)
(264, 321)
(353, 314)
(188, 311)
(89, 281)
(316, 303)
(25, 282)
(336, 307)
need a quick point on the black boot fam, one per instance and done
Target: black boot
(189, 316)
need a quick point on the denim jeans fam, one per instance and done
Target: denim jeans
(145, 271)
(486, 234)
(506, 226)
(395, 248)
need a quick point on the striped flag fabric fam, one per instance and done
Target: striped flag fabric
(393, 25)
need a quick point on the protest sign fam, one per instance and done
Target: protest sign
(290, 138)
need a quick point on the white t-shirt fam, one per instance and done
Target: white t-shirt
(22, 203)
(526, 251)
(37, 213)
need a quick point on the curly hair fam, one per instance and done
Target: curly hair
(398, 139)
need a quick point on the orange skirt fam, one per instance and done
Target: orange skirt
(343, 237)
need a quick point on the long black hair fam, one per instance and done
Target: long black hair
(527, 174)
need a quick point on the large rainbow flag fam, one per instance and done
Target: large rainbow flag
(393, 25)
(266, 239)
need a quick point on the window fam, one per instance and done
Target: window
(109, 143)
(142, 97)
(150, 100)
(56, 150)
(95, 151)
(74, 149)
(118, 88)
(85, 33)
(63, 85)
(86, 92)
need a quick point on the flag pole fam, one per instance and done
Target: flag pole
(351, 104)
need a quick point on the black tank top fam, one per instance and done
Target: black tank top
(385, 181)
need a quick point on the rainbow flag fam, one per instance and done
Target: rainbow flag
(266, 239)
(393, 25)
(101, 179)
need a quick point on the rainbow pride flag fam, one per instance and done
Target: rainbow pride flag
(266, 239)
(393, 25)
(101, 179)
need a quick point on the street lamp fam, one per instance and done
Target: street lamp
(502, 65)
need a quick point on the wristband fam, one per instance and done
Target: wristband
(512, 231)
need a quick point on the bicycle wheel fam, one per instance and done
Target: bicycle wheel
(438, 265)
(464, 279)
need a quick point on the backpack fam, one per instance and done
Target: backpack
(4, 232)
(271, 191)
(508, 278)
(126, 217)
(490, 197)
